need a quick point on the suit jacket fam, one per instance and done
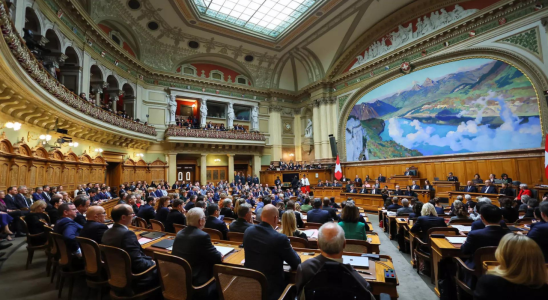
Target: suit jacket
(471, 189)
(358, 181)
(495, 287)
(194, 245)
(353, 191)
(489, 236)
(214, 223)
(119, 236)
(10, 202)
(228, 213)
(404, 210)
(377, 191)
(453, 178)
(46, 196)
(317, 215)
(489, 190)
(21, 201)
(94, 230)
(382, 179)
(538, 233)
(506, 192)
(415, 187)
(161, 214)
(174, 217)
(394, 206)
(53, 214)
(240, 225)
(308, 269)
(398, 193)
(36, 197)
(424, 223)
(146, 212)
(69, 230)
(478, 224)
(265, 251)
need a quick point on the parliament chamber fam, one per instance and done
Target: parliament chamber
(273, 149)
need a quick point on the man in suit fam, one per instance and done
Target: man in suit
(469, 188)
(237, 178)
(426, 222)
(363, 190)
(213, 221)
(146, 211)
(407, 172)
(327, 207)
(375, 190)
(405, 209)
(331, 242)
(20, 199)
(277, 182)
(53, 209)
(318, 215)
(358, 181)
(488, 188)
(16, 211)
(249, 179)
(94, 196)
(394, 204)
(398, 191)
(95, 226)
(539, 232)
(82, 204)
(194, 245)
(45, 193)
(266, 250)
(37, 195)
(119, 236)
(381, 178)
(69, 229)
(489, 236)
(352, 189)
(245, 219)
(175, 216)
(451, 177)
(414, 186)
(255, 179)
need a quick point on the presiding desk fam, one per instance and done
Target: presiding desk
(454, 194)
(237, 258)
(313, 175)
(403, 181)
(444, 187)
(368, 202)
(331, 191)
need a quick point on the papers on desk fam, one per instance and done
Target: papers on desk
(224, 250)
(144, 240)
(462, 228)
(391, 213)
(309, 233)
(356, 261)
(456, 239)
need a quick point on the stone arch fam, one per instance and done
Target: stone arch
(35, 22)
(70, 69)
(538, 80)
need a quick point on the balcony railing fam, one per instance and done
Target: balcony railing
(43, 78)
(175, 131)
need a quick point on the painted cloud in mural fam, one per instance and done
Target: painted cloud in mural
(465, 106)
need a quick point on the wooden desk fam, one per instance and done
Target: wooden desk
(109, 205)
(270, 176)
(368, 202)
(442, 249)
(444, 187)
(320, 192)
(541, 190)
(403, 180)
(495, 198)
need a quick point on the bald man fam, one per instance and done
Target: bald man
(95, 226)
(266, 250)
(331, 242)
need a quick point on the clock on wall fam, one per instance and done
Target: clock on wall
(287, 127)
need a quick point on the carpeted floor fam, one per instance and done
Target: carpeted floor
(18, 283)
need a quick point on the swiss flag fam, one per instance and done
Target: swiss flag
(545, 157)
(338, 171)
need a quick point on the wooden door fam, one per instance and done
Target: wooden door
(186, 173)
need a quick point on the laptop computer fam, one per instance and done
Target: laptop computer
(164, 244)
(356, 261)
(153, 235)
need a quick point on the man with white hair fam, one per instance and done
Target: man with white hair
(331, 242)
(194, 245)
(266, 250)
(405, 209)
(488, 188)
(475, 212)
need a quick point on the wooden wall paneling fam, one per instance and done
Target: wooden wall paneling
(158, 171)
(457, 168)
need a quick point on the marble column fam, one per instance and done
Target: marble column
(298, 132)
(275, 130)
(334, 110)
(172, 166)
(85, 82)
(19, 18)
(324, 127)
(230, 167)
(317, 129)
(203, 169)
(257, 165)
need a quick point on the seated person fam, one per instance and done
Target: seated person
(352, 189)
(405, 209)
(417, 208)
(409, 192)
(509, 212)
(520, 275)
(523, 190)
(194, 245)
(488, 188)
(318, 215)
(120, 237)
(289, 225)
(213, 221)
(506, 179)
(531, 205)
(397, 191)
(82, 203)
(162, 210)
(450, 177)
(469, 202)
(245, 219)
(489, 236)
(437, 205)
(415, 186)
(394, 206)
(524, 201)
(175, 216)
(146, 211)
(306, 207)
(353, 229)
(53, 209)
(477, 179)
(505, 190)
(327, 207)
(459, 212)
(331, 242)
(68, 228)
(35, 221)
(539, 231)
(95, 226)
(428, 219)
(470, 188)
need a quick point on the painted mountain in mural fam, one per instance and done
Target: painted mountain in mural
(463, 106)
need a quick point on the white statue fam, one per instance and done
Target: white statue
(172, 105)
(203, 113)
(255, 118)
(308, 129)
(231, 116)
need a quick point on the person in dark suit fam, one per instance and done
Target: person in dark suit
(82, 204)
(119, 236)
(194, 245)
(95, 226)
(363, 190)
(244, 221)
(429, 219)
(69, 229)
(539, 232)
(488, 188)
(175, 216)
(237, 178)
(163, 210)
(358, 181)
(331, 242)
(277, 182)
(318, 215)
(266, 250)
(505, 190)
(255, 180)
(146, 211)
(489, 236)
(213, 221)
(397, 191)
(45, 193)
(415, 186)
(469, 188)
(451, 177)
(352, 189)
(20, 199)
(37, 195)
(249, 179)
(407, 172)
(35, 223)
(53, 209)
(394, 205)
(191, 203)
(509, 212)
(521, 274)
(381, 178)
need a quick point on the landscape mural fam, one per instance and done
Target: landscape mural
(464, 106)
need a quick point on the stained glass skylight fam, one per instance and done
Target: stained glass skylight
(266, 17)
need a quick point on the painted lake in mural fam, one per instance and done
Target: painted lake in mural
(464, 106)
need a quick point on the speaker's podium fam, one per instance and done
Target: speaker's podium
(444, 187)
(405, 180)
